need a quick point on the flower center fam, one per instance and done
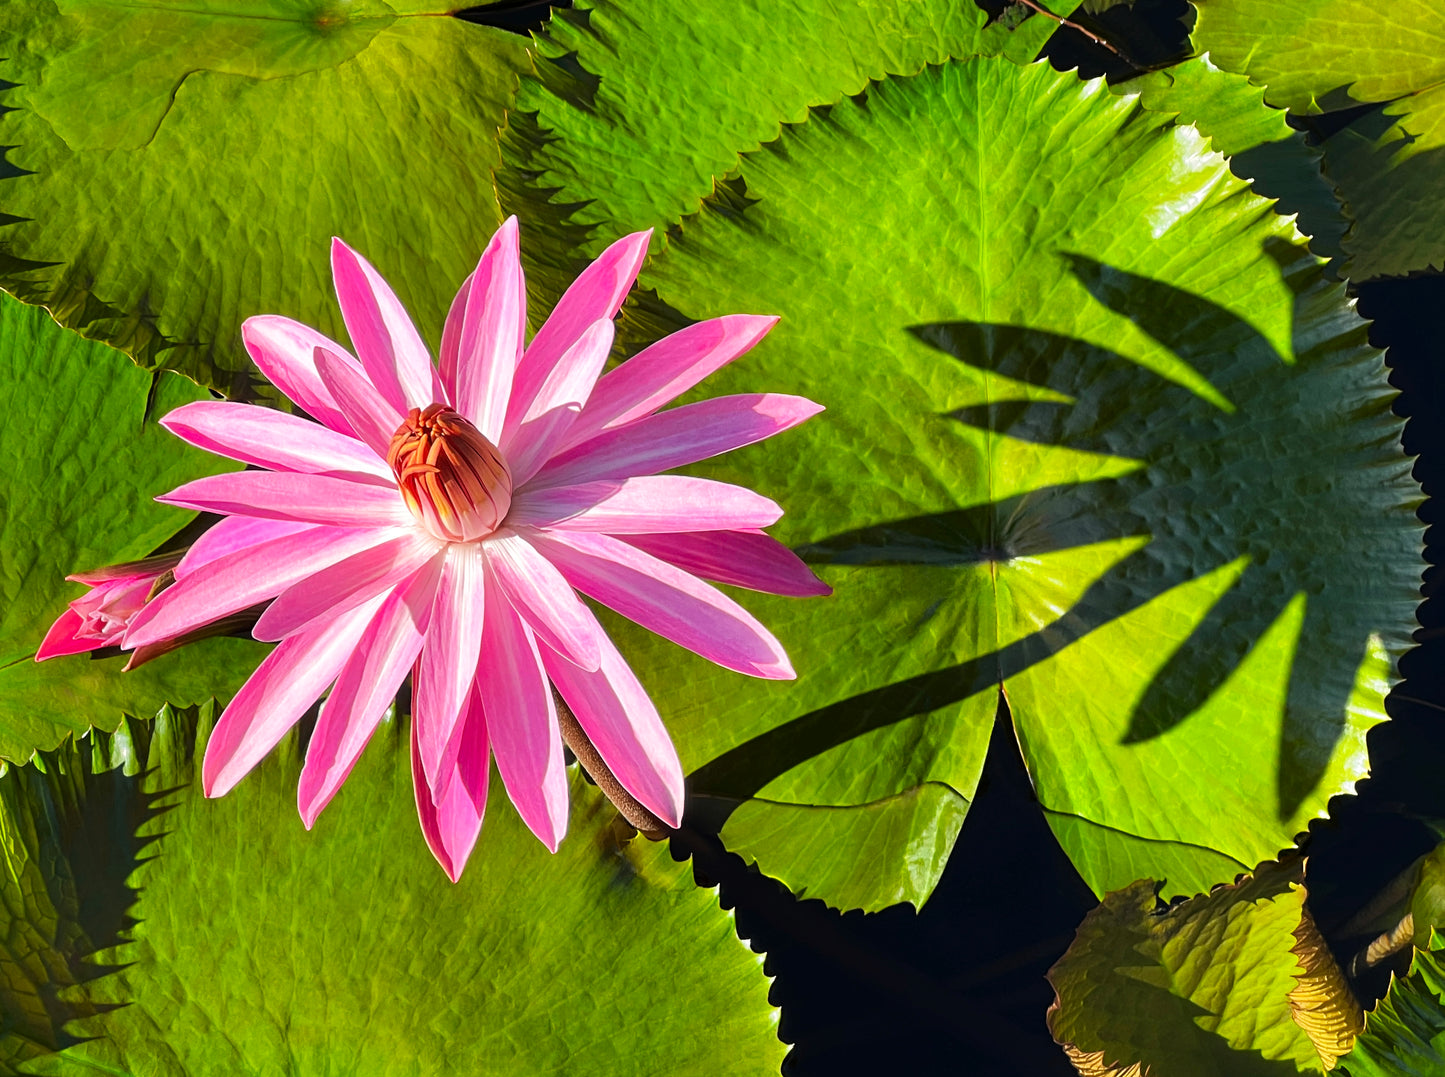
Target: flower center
(454, 480)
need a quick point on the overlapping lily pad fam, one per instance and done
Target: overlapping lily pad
(1235, 982)
(642, 104)
(1088, 400)
(174, 168)
(39, 920)
(83, 459)
(1317, 56)
(254, 946)
(1258, 140)
(1405, 1032)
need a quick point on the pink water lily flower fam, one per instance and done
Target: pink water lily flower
(441, 520)
(100, 617)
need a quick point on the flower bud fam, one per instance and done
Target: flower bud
(100, 617)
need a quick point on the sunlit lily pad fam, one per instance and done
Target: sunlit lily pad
(254, 946)
(1237, 981)
(175, 168)
(84, 457)
(1088, 399)
(1315, 56)
(639, 106)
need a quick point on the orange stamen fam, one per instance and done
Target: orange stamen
(453, 479)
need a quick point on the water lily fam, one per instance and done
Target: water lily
(99, 618)
(440, 520)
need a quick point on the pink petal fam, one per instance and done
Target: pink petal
(645, 504)
(676, 437)
(623, 725)
(558, 403)
(286, 683)
(596, 294)
(284, 351)
(373, 419)
(364, 689)
(451, 827)
(217, 588)
(63, 639)
(659, 374)
(386, 341)
(491, 337)
(522, 720)
(448, 660)
(347, 584)
(666, 600)
(233, 534)
(452, 337)
(274, 440)
(285, 495)
(546, 601)
(742, 558)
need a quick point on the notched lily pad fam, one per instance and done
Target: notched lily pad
(1084, 415)
(1234, 982)
(1405, 1033)
(606, 138)
(255, 945)
(220, 146)
(1321, 56)
(84, 458)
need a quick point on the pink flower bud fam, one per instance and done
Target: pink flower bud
(99, 617)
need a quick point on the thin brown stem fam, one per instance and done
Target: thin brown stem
(648, 825)
(1095, 38)
(1417, 700)
(1386, 945)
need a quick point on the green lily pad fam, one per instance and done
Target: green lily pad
(1405, 1033)
(84, 459)
(1088, 398)
(43, 939)
(255, 946)
(1316, 56)
(1427, 898)
(1387, 170)
(1261, 146)
(218, 148)
(1236, 982)
(639, 106)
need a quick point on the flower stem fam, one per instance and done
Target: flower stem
(1034, 5)
(648, 825)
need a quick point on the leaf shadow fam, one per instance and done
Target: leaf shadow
(84, 820)
(1171, 1028)
(1289, 476)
